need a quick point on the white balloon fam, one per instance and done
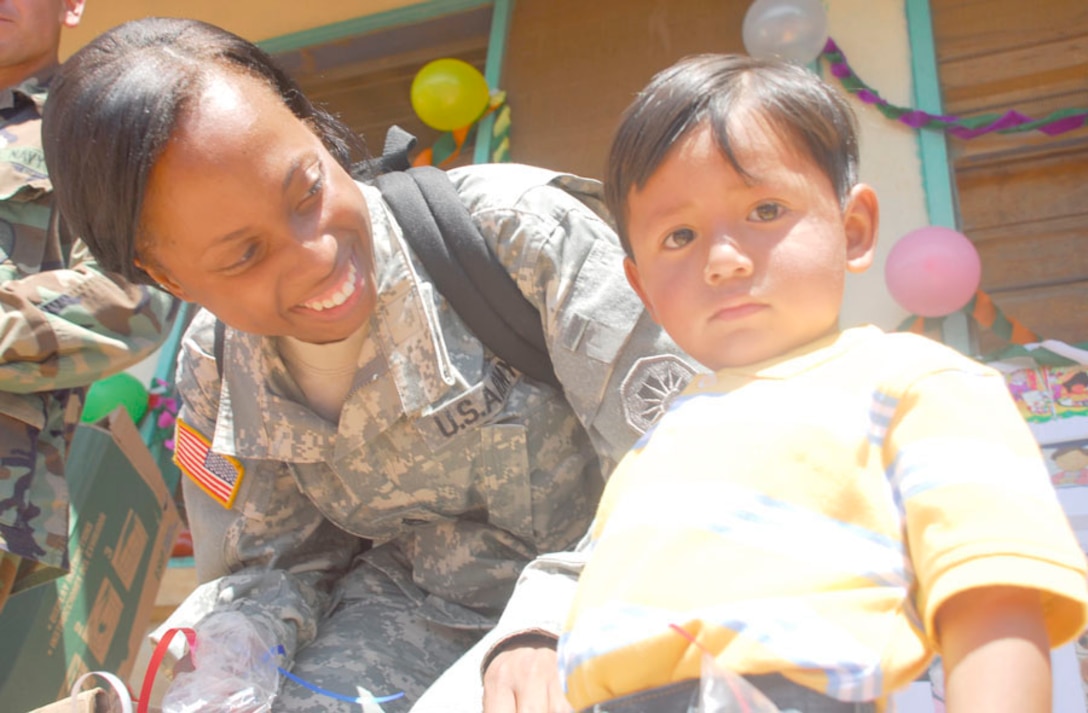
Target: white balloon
(795, 30)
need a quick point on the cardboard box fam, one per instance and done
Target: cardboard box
(122, 528)
(94, 700)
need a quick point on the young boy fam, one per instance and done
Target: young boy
(830, 508)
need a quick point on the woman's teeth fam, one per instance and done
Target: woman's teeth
(338, 297)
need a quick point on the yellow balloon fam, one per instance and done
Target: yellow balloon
(449, 93)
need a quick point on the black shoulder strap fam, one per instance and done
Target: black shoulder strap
(440, 230)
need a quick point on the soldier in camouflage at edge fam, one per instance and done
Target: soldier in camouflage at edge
(366, 481)
(63, 325)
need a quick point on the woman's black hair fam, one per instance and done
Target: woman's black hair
(114, 105)
(712, 88)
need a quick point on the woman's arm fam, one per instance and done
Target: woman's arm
(272, 553)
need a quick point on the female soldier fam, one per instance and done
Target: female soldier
(366, 479)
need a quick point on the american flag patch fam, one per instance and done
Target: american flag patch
(217, 475)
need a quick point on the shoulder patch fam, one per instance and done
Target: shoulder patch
(649, 387)
(217, 475)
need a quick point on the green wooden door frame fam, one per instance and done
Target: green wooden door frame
(937, 173)
(408, 15)
(501, 13)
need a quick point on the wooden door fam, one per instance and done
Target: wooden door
(572, 66)
(1023, 197)
(366, 80)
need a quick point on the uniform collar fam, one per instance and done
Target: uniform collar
(35, 88)
(406, 325)
(403, 367)
(261, 414)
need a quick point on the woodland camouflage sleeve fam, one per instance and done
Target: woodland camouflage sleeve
(69, 327)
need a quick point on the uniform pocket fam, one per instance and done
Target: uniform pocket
(504, 479)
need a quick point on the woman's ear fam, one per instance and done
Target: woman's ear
(861, 219)
(162, 277)
(630, 269)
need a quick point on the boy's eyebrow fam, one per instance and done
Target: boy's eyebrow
(664, 212)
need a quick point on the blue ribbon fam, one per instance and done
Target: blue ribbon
(279, 650)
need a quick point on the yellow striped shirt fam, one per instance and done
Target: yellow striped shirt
(809, 515)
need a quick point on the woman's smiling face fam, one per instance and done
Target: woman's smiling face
(247, 214)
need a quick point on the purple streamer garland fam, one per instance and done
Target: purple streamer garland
(1056, 123)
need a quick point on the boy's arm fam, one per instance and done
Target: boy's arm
(520, 669)
(996, 651)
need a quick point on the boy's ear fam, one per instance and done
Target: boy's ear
(860, 222)
(73, 12)
(631, 270)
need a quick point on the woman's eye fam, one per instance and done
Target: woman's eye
(766, 212)
(679, 238)
(248, 256)
(316, 184)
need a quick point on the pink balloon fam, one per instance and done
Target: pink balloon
(933, 271)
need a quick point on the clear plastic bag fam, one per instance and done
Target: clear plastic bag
(234, 669)
(722, 691)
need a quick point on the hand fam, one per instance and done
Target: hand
(525, 680)
(230, 669)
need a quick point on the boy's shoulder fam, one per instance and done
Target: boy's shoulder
(905, 358)
(916, 346)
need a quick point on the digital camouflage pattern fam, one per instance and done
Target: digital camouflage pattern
(63, 325)
(454, 467)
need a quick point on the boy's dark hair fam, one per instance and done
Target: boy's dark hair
(709, 89)
(113, 107)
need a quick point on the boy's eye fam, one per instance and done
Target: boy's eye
(766, 212)
(679, 238)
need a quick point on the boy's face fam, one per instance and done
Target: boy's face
(738, 272)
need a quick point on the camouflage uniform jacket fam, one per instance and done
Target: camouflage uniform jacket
(63, 325)
(465, 468)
